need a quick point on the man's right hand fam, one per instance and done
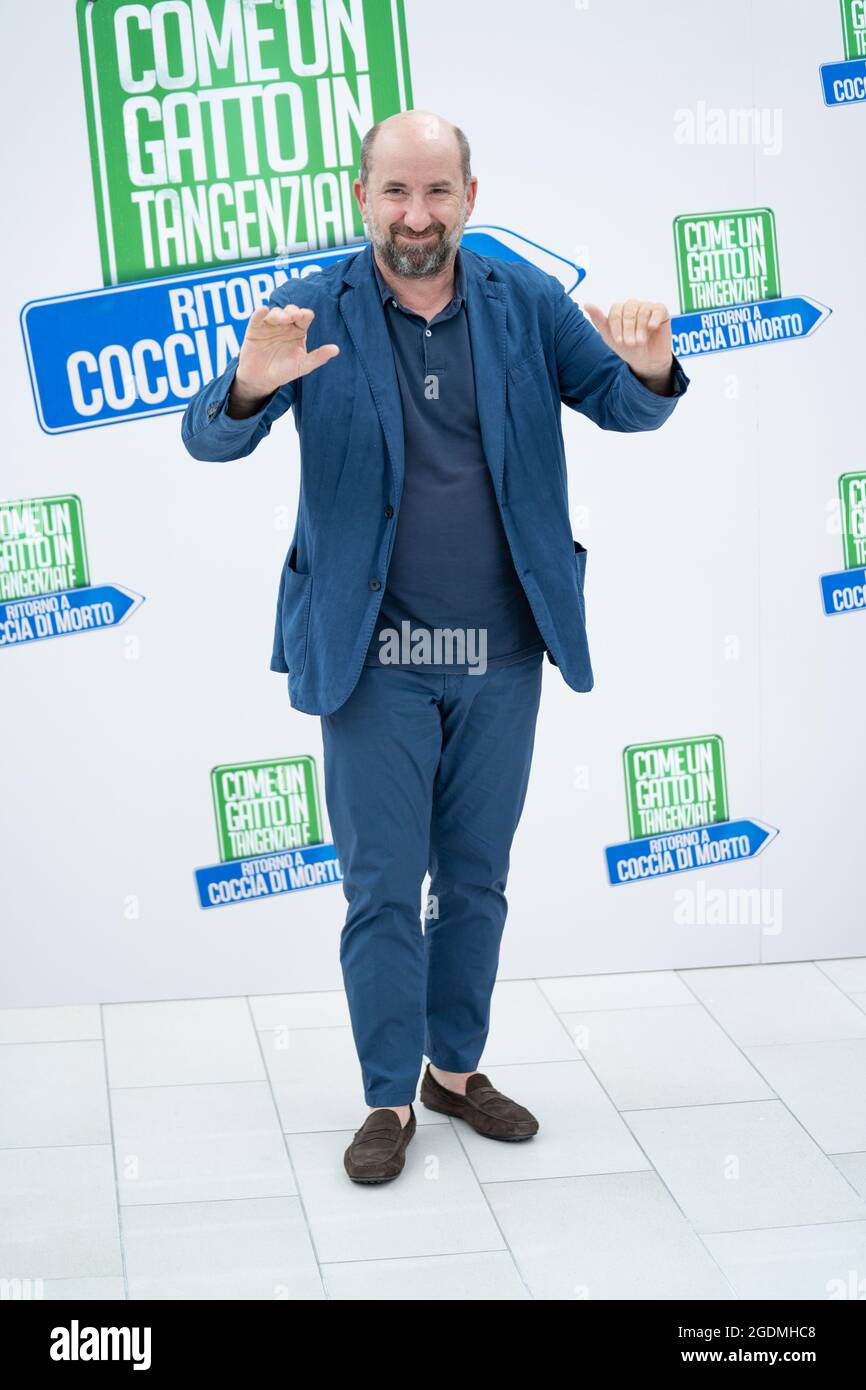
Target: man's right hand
(274, 352)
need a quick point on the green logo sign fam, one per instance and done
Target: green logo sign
(230, 130)
(854, 28)
(266, 806)
(42, 548)
(676, 784)
(726, 258)
(852, 500)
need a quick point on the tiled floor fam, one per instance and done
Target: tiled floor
(703, 1135)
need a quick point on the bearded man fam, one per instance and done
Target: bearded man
(431, 568)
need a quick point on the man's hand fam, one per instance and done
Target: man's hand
(274, 352)
(639, 332)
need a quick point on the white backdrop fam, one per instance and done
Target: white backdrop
(705, 539)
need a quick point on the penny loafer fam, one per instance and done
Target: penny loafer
(487, 1110)
(378, 1151)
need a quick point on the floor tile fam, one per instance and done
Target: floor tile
(83, 1290)
(315, 1077)
(58, 1213)
(435, 1207)
(664, 1057)
(738, 1167)
(524, 1028)
(642, 989)
(199, 1143)
(824, 1084)
(68, 1023)
(488, 1277)
(853, 1165)
(579, 1129)
(317, 1080)
(761, 1004)
(181, 1042)
(795, 1262)
(849, 973)
(258, 1249)
(329, 1009)
(610, 1236)
(703, 1136)
(53, 1093)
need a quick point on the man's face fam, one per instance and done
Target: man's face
(415, 205)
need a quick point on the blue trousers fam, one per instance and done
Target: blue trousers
(425, 774)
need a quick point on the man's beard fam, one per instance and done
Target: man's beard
(416, 262)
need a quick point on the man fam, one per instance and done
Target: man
(433, 500)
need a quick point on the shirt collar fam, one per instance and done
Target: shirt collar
(459, 279)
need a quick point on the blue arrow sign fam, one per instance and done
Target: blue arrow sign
(131, 351)
(677, 851)
(844, 591)
(844, 83)
(266, 875)
(70, 610)
(746, 325)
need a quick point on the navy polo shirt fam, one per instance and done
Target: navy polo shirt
(451, 566)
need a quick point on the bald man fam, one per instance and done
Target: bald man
(431, 568)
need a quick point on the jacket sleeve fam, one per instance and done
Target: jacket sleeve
(598, 383)
(211, 434)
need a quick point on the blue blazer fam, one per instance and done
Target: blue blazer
(532, 350)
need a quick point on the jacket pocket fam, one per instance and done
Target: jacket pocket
(534, 362)
(295, 614)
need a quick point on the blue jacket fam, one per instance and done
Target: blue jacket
(532, 349)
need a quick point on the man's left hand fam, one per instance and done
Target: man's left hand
(639, 331)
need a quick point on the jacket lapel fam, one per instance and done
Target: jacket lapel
(362, 313)
(485, 309)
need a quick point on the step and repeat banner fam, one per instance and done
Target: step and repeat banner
(171, 162)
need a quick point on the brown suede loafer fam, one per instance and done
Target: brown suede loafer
(487, 1110)
(378, 1151)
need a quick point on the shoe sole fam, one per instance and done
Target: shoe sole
(373, 1182)
(501, 1138)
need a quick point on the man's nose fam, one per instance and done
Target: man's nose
(417, 217)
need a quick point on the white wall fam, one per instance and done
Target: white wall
(715, 527)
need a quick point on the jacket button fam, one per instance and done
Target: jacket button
(389, 511)
(375, 584)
